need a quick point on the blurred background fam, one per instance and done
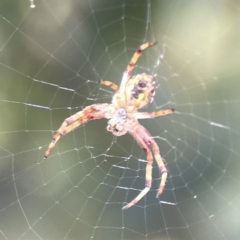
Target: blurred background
(51, 59)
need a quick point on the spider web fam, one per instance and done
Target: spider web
(51, 60)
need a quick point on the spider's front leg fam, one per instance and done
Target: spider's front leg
(151, 142)
(92, 112)
(144, 139)
(148, 181)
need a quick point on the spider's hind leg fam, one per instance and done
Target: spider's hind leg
(131, 64)
(109, 84)
(137, 54)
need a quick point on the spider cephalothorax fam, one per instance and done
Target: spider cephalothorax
(134, 93)
(118, 123)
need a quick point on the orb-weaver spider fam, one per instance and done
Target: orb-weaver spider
(134, 93)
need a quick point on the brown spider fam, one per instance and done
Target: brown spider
(133, 93)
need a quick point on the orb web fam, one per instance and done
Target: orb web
(51, 60)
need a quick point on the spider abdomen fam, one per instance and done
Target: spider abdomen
(140, 90)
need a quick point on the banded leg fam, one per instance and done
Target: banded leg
(132, 63)
(143, 115)
(148, 182)
(137, 54)
(161, 166)
(94, 111)
(144, 139)
(109, 84)
(148, 139)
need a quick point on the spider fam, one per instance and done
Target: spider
(134, 93)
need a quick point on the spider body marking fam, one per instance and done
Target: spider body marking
(134, 93)
(141, 90)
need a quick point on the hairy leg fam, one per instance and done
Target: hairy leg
(148, 183)
(132, 63)
(144, 139)
(137, 54)
(109, 84)
(143, 115)
(92, 112)
(150, 141)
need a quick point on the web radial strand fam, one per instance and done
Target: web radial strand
(52, 58)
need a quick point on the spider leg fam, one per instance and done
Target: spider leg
(92, 112)
(132, 63)
(143, 115)
(148, 182)
(144, 139)
(137, 54)
(109, 84)
(161, 166)
(150, 141)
